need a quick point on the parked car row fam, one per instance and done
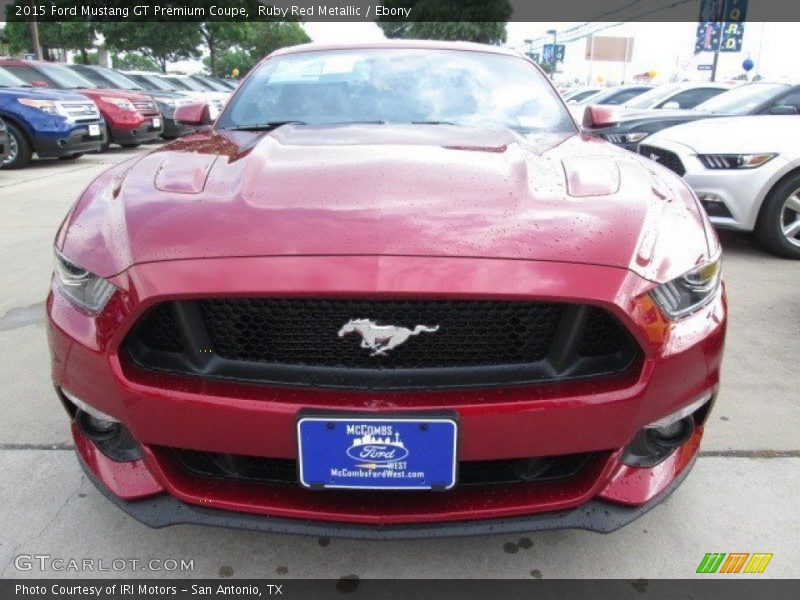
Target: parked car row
(737, 150)
(55, 110)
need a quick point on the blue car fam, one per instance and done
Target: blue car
(51, 123)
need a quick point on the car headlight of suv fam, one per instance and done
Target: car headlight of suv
(685, 294)
(735, 161)
(626, 138)
(50, 107)
(120, 103)
(81, 286)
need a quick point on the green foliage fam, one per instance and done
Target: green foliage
(133, 61)
(86, 58)
(255, 41)
(161, 42)
(481, 21)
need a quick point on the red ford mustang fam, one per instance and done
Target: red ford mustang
(392, 291)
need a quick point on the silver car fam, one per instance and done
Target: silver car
(744, 170)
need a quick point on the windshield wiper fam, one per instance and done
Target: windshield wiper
(268, 126)
(433, 123)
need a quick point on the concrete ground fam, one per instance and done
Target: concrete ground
(741, 496)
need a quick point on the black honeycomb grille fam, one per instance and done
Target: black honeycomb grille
(305, 332)
(160, 331)
(464, 343)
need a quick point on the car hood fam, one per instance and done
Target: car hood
(628, 114)
(114, 93)
(736, 135)
(42, 94)
(389, 190)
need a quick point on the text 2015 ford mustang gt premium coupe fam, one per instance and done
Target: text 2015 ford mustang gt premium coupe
(393, 291)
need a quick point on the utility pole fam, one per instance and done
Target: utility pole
(33, 28)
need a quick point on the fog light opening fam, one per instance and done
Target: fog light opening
(96, 429)
(659, 439)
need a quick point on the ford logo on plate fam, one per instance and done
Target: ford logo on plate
(378, 449)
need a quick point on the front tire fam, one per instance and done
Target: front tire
(778, 225)
(20, 151)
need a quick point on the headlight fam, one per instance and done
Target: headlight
(688, 292)
(120, 103)
(82, 287)
(735, 161)
(626, 138)
(46, 106)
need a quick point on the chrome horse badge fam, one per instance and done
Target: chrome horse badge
(382, 338)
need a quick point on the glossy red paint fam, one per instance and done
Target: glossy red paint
(127, 480)
(600, 116)
(634, 486)
(390, 212)
(196, 113)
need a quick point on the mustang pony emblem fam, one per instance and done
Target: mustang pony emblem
(381, 338)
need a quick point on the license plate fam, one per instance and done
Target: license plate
(387, 454)
(156, 122)
(94, 130)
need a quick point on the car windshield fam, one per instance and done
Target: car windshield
(9, 80)
(399, 86)
(741, 100)
(186, 83)
(211, 84)
(151, 82)
(119, 80)
(64, 77)
(653, 97)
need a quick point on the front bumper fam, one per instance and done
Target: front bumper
(71, 141)
(599, 416)
(141, 134)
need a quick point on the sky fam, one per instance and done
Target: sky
(667, 48)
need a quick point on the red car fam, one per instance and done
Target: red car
(393, 291)
(131, 119)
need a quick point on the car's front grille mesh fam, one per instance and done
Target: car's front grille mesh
(306, 332)
(447, 343)
(284, 471)
(664, 157)
(145, 107)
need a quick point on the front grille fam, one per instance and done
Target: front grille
(663, 157)
(470, 473)
(81, 111)
(447, 344)
(146, 107)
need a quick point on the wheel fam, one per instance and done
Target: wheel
(19, 148)
(130, 145)
(778, 225)
(71, 156)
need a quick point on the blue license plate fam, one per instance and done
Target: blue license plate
(388, 454)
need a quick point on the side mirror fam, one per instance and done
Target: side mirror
(39, 83)
(783, 109)
(671, 104)
(600, 116)
(196, 113)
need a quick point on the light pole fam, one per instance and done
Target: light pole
(554, 33)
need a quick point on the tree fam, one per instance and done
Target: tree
(133, 61)
(69, 35)
(161, 42)
(481, 21)
(220, 37)
(257, 40)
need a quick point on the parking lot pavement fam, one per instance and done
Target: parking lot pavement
(740, 498)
